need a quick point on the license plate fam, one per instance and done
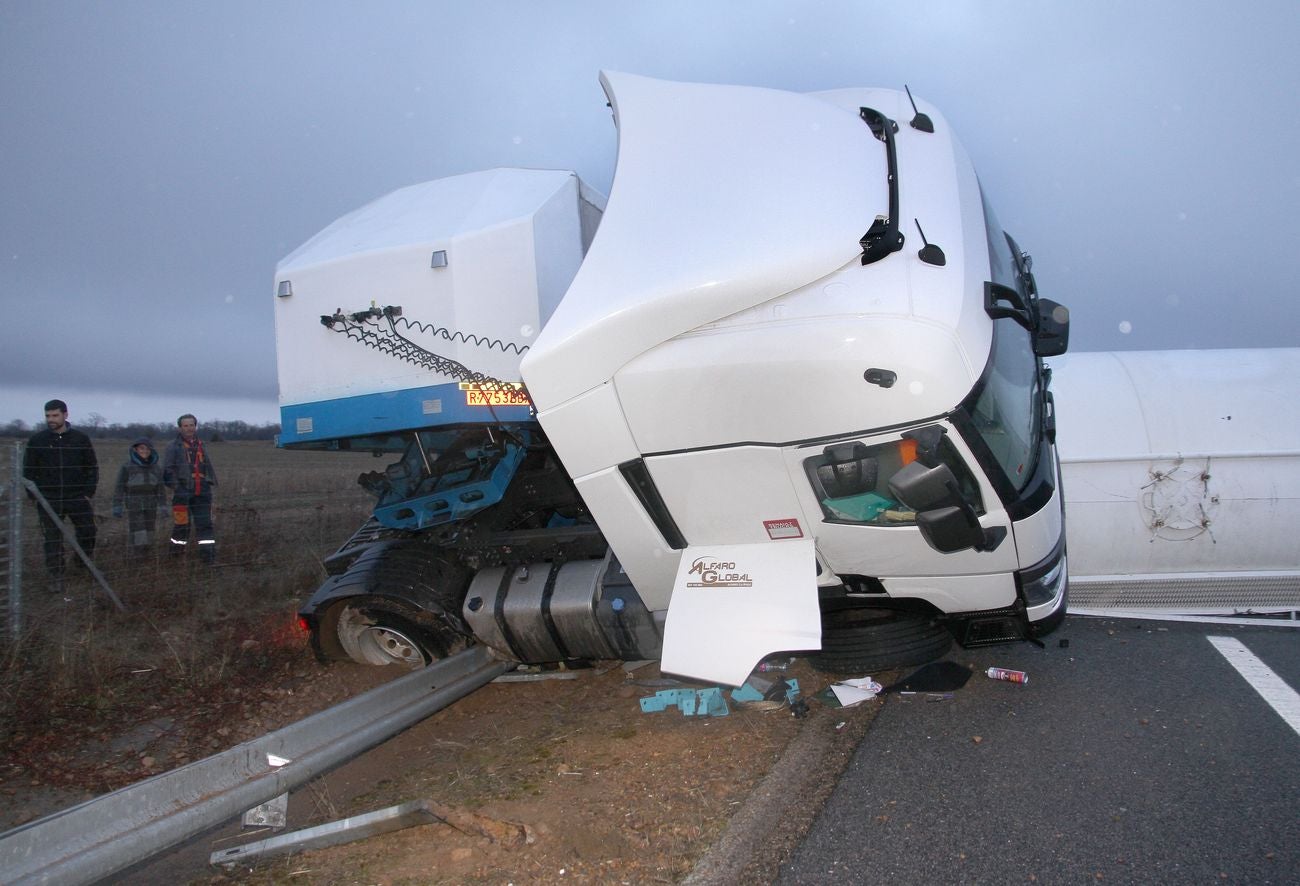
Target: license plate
(507, 397)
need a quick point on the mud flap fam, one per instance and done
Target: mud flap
(733, 605)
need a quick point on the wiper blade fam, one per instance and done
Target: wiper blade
(883, 237)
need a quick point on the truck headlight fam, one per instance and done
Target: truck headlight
(1043, 583)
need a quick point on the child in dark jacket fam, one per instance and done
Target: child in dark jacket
(139, 493)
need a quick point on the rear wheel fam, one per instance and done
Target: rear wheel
(859, 639)
(375, 635)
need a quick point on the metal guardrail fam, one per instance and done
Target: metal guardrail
(105, 835)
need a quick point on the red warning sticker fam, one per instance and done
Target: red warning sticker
(787, 528)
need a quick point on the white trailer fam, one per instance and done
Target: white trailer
(1183, 471)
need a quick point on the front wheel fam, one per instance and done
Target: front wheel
(860, 640)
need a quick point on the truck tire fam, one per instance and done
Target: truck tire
(376, 632)
(859, 640)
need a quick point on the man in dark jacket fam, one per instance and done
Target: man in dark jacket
(190, 476)
(61, 462)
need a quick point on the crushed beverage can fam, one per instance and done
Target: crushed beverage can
(1009, 675)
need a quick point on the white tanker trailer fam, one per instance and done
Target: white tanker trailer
(1183, 478)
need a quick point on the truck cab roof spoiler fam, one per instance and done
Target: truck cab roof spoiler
(724, 197)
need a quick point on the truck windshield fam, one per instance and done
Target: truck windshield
(1005, 412)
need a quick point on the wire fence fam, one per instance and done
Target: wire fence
(277, 514)
(11, 514)
(194, 643)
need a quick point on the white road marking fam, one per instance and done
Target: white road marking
(1272, 688)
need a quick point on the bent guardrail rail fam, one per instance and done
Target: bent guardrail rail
(110, 833)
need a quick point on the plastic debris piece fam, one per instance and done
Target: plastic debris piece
(707, 702)
(937, 676)
(856, 691)
(756, 689)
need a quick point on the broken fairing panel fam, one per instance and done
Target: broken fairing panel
(724, 197)
(733, 605)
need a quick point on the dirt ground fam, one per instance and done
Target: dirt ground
(604, 792)
(93, 700)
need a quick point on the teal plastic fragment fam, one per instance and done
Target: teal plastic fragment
(751, 692)
(692, 702)
(712, 703)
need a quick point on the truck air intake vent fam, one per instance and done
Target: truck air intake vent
(638, 477)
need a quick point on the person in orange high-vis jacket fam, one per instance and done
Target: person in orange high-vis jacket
(188, 473)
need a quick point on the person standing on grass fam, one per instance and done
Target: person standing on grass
(139, 493)
(189, 474)
(61, 462)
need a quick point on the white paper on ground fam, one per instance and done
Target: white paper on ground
(851, 692)
(734, 605)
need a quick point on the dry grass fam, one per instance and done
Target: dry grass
(191, 629)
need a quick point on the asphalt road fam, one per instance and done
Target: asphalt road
(1136, 754)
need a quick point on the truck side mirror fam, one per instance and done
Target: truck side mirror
(924, 488)
(1053, 335)
(951, 529)
(946, 520)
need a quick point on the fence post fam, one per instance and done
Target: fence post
(71, 539)
(14, 553)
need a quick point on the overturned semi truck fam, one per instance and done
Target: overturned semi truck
(783, 390)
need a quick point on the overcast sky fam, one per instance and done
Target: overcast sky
(158, 158)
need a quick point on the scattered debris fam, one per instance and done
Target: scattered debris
(938, 676)
(1007, 675)
(526, 673)
(358, 827)
(692, 702)
(851, 692)
(766, 694)
(756, 692)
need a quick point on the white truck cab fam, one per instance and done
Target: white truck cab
(726, 366)
(789, 373)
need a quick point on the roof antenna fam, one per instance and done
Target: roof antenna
(920, 121)
(929, 253)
